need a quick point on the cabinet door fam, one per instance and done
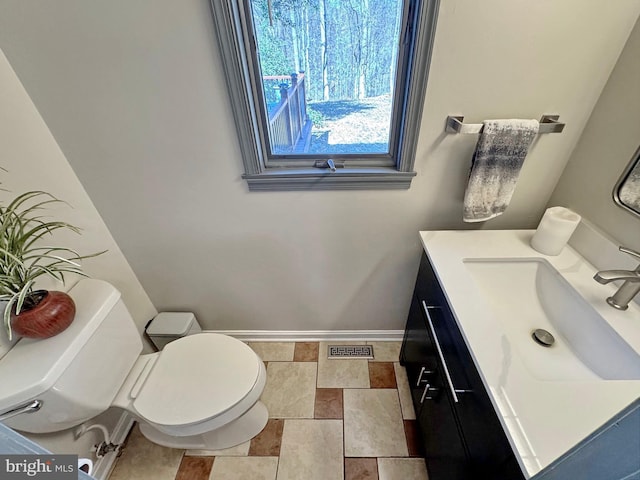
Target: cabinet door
(484, 437)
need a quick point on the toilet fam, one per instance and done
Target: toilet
(200, 392)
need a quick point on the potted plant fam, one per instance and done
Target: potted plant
(24, 257)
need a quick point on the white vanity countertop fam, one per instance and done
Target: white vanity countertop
(543, 419)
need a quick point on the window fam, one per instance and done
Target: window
(327, 94)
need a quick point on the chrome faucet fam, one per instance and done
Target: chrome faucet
(628, 289)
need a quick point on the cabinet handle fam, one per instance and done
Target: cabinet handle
(454, 392)
(424, 393)
(423, 371)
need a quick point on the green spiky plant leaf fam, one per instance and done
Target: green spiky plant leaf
(24, 255)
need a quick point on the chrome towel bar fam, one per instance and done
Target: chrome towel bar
(548, 124)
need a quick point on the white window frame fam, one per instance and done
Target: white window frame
(367, 173)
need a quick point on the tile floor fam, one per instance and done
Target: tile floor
(328, 420)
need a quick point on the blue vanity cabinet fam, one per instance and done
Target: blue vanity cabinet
(462, 436)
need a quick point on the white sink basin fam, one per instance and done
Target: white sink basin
(528, 294)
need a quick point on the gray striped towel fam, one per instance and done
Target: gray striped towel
(500, 153)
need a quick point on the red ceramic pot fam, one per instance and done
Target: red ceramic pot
(51, 313)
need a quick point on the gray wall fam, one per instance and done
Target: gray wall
(608, 142)
(134, 93)
(34, 161)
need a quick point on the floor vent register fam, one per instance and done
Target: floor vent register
(351, 351)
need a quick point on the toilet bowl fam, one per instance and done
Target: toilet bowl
(184, 394)
(200, 392)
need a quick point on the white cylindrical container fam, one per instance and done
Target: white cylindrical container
(169, 326)
(555, 229)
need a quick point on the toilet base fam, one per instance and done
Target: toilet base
(233, 433)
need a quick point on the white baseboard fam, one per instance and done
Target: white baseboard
(313, 335)
(103, 466)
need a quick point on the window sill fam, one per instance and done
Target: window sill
(283, 179)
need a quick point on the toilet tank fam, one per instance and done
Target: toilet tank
(77, 373)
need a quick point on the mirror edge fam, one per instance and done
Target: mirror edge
(635, 161)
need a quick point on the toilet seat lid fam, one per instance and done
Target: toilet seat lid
(196, 378)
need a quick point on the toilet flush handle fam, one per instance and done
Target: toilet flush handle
(30, 407)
